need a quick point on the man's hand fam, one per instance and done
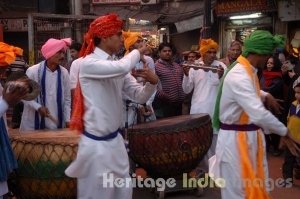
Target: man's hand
(186, 69)
(273, 105)
(43, 111)
(220, 71)
(14, 94)
(287, 141)
(147, 74)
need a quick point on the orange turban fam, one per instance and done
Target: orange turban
(130, 38)
(8, 54)
(102, 27)
(206, 44)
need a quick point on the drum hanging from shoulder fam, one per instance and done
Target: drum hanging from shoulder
(171, 146)
(42, 159)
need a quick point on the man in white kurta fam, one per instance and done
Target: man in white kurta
(102, 156)
(205, 85)
(240, 94)
(53, 51)
(132, 40)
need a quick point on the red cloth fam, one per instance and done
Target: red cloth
(76, 122)
(270, 75)
(102, 27)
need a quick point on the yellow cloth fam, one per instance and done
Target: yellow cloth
(294, 125)
(130, 38)
(253, 190)
(206, 44)
(8, 54)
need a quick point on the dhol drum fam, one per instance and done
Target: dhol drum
(172, 146)
(42, 158)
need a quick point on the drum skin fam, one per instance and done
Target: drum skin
(172, 146)
(42, 159)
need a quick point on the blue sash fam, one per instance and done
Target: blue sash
(8, 161)
(40, 123)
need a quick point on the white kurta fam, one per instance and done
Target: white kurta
(74, 72)
(239, 94)
(28, 117)
(102, 83)
(205, 85)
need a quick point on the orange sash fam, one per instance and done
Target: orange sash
(254, 182)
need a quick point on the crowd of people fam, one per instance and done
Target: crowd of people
(252, 95)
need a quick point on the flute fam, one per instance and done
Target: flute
(201, 66)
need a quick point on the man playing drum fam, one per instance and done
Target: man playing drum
(98, 110)
(8, 162)
(240, 114)
(51, 109)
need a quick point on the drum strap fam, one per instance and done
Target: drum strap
(102, 138)
(8, 161)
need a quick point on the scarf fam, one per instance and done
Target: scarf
(269, 76)
(40, 123)
(8, 161)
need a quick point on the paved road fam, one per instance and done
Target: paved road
(275, 164)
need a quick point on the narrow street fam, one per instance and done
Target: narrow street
(275, 164)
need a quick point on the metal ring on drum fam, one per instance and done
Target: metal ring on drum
(42, 159)
(172, 146)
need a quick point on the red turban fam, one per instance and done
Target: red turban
(102, 27)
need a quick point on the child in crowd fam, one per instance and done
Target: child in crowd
(294, 127)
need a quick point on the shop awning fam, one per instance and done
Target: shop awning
(189, 24)
(238, 7)
(162, 13)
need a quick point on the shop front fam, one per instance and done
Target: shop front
(238, 18)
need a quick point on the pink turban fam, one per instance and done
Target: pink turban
(52, 46)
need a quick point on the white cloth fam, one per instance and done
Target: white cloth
(102, 83)
(28, 117)
(74, 72)
(205, 85)
(239, 94)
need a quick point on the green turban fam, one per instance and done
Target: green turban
(262, 42)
